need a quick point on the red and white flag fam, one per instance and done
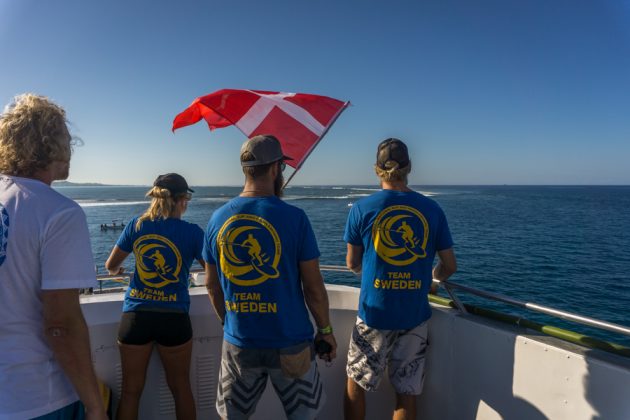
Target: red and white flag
(298, 120)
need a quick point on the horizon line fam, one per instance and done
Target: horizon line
(98, 184)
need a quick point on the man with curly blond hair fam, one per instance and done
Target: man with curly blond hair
(45, 258)
(393, 237)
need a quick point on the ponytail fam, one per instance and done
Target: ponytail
(162, 206)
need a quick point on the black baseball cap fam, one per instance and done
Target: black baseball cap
(265, 149)
(392, 150)
(173, 182)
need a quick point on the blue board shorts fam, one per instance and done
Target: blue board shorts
(401, 352)
(293, 373)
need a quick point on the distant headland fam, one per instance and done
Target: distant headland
(78, 184)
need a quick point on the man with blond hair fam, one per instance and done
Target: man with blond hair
(393, 237)
(45, 258)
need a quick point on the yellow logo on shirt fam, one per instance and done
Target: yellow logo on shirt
(400, 235)
(250, 250)
(158, 261)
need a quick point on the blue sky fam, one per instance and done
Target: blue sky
(483, 92)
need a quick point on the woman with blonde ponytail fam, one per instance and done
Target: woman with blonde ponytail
(157, 300)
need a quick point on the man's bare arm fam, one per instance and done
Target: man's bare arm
(354, 258)
(446, 266)
(316, 299)
(215, 293)
(67, 333)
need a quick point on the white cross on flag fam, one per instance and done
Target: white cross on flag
(298, 120)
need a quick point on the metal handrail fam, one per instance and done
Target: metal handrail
(449, 286)
(557, 313)
(340, 268)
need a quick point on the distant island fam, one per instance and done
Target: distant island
(78, 184)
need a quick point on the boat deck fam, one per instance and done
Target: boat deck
(476, 368)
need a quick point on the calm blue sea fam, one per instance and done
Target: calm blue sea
(563, 246)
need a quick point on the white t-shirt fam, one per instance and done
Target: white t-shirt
(44, 245)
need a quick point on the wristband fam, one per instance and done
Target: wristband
(326, 330)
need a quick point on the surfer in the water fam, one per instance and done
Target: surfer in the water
(157, 301)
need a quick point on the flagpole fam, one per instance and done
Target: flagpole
(345, 105)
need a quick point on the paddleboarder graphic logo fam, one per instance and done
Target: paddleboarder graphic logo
(4, 233)
(158, 261)
(400, 235)
(250, 250)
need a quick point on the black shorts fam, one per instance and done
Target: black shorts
(165, 328)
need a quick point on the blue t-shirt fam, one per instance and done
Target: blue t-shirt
(257, 244)
(400, 232)
(164, 251)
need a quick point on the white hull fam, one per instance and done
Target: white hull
(477, 369)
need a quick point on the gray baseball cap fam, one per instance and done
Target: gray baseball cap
(265, 149)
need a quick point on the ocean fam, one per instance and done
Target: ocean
(563, 246)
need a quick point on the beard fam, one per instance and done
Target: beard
(62, 170)
(277, 185)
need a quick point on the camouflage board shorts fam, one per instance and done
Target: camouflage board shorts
(401, 352)
(293, 373)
